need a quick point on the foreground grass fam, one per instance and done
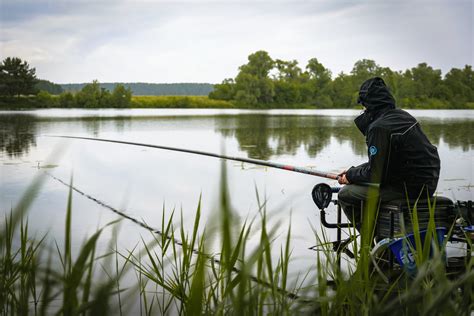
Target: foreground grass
(174, 273)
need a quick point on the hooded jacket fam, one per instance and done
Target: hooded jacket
(400, 155)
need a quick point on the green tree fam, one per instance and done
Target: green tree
(288, 70)
(16, 77)
(426, 80)
(319, 74)
(259, 64)
(406, 85)
(394, 80)
(247, 89)
(89, 95)
(459, 86)
(363, 70)
(287, 93)
(319, 84)
(66, 100)
(105, 99)
(267, 90)
(224, 91)
(343, 91)
(121, 97)
(46, 100)
(252, 84)
(287, 83)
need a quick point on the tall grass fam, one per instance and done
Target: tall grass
(31, 282)
(176, 271)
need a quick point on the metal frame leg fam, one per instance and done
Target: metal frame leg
(339, 234)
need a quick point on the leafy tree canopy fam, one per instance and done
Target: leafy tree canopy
(16, 77)
(289, 86)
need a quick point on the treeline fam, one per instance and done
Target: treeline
(261, 83)
(90, 96)
(139, 88)
(264, 82)
(48, 86)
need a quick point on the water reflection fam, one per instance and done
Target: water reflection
(17, 134)
(263, 136)
(94, 125)
(260, 136)
(456, 133)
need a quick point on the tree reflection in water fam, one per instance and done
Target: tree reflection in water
(260, 136)
(17, 134)
(455, 133)
(264, 136)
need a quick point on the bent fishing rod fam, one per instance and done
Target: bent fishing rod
(309, 171)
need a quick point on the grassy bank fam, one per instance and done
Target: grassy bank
(179, 102)
(203, 102)
(174, 272)
(54, 101)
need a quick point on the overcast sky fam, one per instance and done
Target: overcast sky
(206, 41)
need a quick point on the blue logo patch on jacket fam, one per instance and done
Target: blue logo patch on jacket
(372, 150)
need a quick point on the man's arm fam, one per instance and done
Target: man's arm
(378, 142)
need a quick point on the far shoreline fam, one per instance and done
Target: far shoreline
(181, 102)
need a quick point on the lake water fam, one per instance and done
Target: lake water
(143, 181)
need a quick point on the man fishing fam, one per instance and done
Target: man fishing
(402, 161)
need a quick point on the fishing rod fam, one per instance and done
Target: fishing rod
(309, 171)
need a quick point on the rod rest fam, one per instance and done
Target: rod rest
(335, 189)
(332, 225)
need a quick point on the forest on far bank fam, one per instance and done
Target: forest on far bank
(267, 83)
(261, 83)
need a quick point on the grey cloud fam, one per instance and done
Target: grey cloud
(18, 11)
(161, 41)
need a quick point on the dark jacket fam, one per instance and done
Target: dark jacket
(400, 155)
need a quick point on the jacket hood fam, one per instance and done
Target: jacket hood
(374, 95)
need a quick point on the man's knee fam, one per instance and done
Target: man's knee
(353, 192)
(343, 194)
(347, 200)
(350, 204)
(346, 194)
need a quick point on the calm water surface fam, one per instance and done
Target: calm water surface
(143, 181)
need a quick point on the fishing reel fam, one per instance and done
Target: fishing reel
(322, 195)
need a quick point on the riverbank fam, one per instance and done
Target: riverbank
(179, 102)
(139, 102)
(195, 102)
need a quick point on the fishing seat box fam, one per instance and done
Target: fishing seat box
(393, 215)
